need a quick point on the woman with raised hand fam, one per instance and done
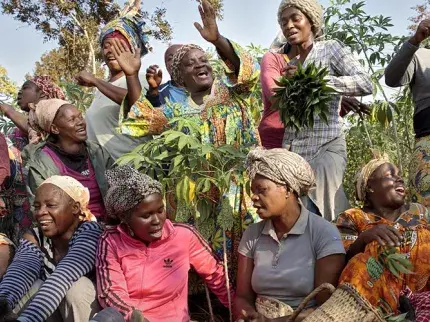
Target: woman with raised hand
(65, 150)
(32, 91)
(291, 251)
(51, 276)
(216, 104)
(143, 263)
(323, 145)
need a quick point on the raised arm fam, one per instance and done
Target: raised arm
(19, 119)
(113, 92)
(351, 78)
(78, 262)
(401, 69)
(111, 284)
(210, 33)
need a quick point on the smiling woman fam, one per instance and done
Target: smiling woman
(65, 232)
(386, 220)
(66, 151)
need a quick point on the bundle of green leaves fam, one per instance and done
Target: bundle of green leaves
(304, 97)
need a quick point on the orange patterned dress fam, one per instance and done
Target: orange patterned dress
(368, 276)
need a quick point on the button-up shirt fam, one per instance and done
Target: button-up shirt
(348, 77)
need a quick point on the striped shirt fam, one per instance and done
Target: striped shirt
(32, 262)
(348, 77)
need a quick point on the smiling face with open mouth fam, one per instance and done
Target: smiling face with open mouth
(70, 124)
(196, 71)
(388, 186)
(295, 26)
(55, 212)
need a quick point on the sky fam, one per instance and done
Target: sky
(245, 22)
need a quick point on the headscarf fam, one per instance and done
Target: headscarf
(48, 88)
(127, 188)
(311, 8)
(282, 167)
(366, 172)
(75, 190)
(132, 26)
(42, 116)
(176, 63)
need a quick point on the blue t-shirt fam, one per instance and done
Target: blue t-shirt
(168, 92)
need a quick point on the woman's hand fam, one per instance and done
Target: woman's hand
(383, 234)
(154, 76)
(86, 79)
(289, 71)
(4, 108)
(349, 104)
(209, 31)
(422, 33)
(130, 63)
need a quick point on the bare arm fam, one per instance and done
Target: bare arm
(245, 296)
(210, 33)
(6, 254)
(328, 270)
(19, 119)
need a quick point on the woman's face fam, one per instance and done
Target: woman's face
(386, 187)
(147, 218)
(29, 93)
(69, 124)
(55, 212)
(269, 198)
(196, 71)
(295, 26)
(109, 58)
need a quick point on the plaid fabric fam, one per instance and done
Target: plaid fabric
(348, 77)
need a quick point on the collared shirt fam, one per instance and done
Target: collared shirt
(284, 269)
(348, 77)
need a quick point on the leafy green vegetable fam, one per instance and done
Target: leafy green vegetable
(304, 97)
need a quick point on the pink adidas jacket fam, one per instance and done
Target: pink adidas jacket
(154, 278)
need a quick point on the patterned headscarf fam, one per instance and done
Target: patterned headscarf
(311, 8)
(75, 190)
(366, 172)
(176, 63)
(132, 26)
(282, 167)
(41, 117)
(127, 188)
(48, 88)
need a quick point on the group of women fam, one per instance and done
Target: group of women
(103, 247)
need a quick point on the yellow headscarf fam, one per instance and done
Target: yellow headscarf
(75, 190)
(365, 173)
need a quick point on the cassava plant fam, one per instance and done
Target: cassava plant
(198, 175)
(304, 97)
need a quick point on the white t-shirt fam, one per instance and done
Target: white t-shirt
(102, 123)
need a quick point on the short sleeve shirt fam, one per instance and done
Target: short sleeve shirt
(284, 269)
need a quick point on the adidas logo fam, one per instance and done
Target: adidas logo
(168, 263)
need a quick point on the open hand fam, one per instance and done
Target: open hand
(289, 71)
(385, 235)
(154, 76)
(422, 33)
(85, 79)
(209, 31)
(349, 104)
(130, 63)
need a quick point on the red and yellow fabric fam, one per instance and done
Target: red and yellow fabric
(368, 276)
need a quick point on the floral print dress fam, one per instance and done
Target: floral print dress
(224, 118)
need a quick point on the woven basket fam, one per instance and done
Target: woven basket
(272, 308)
(345, 304)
